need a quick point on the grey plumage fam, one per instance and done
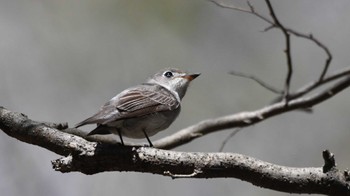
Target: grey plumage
(145, 109)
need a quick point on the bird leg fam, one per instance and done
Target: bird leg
(120, 136)
(149, 141)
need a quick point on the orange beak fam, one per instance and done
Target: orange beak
(190, 77)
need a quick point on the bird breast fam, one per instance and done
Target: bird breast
(152, 124)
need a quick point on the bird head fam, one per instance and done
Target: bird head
(174, 79)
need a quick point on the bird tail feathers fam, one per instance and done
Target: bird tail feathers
(101, 130)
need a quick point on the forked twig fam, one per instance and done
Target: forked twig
(272, 24)
(257, 80)
(315, 84)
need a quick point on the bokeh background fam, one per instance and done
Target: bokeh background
(61, 60)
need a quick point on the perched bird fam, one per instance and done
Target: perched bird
(143, 110)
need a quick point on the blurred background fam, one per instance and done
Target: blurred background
(61, 60)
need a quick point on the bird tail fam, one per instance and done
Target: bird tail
(101, 130)
(91, 120)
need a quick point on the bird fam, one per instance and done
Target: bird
(143, 110)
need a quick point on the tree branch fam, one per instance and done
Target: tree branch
(345, 72)
(93, 157)
(244, 119)
(288, 52)
(275, 23)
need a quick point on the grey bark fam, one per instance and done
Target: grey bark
(89, 157)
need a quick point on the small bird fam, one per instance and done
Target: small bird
(143, 110)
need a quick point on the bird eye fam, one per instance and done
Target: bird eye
(168, 74)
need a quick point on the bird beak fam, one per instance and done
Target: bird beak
(190, 77)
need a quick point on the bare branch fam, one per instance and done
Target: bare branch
(318, 43)
(273, 24)
(257, 80)
(222, 5)
(244, 119)
(249, 118)
(345, 72)
(251, 10)
(92, 157)
(279, 25)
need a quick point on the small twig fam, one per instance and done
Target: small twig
(251, 10)
(222, 5)
(347, 175)
(233, 133)
(279, 25)
(191, 175)
(257, 80)
(329, 161)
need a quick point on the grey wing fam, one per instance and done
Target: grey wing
(146, 99)
(134, 102)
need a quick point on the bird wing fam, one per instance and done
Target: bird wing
(134, 102)
(145, 99)
(142, 97)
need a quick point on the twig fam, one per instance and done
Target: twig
(279, 25)
(315, 84)
(233, 133)
(222, 5)
(257, 80)
(318, 43)
(191, 175)
(272, 24)
(329, 161)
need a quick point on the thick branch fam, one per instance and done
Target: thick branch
(92, 157)
(207, 165)
(17, 125)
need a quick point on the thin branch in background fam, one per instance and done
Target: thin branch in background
(321, 45)
(222, 5)
(233, 133)
(310, 37)
(244, 119)
(251, 10)
(314, 84)
(279, 25)
(257, 80)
